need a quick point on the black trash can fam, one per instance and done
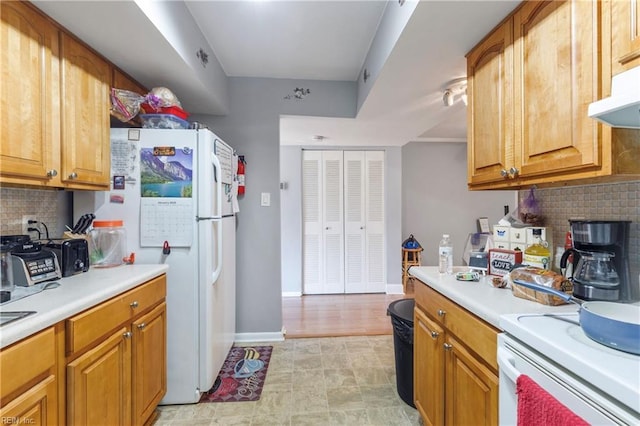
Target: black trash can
(401, 312)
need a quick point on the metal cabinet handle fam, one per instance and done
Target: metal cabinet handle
(435, 334)
(441, 313)
(504, 173)
(326, 228)
(127, 335)
(513, 171)
(141, 326)
(134, 304)
(73, 175)
(362, 227)
(52, 173)
(447, 346)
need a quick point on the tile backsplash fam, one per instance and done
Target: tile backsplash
(52, 207)
(615, 201)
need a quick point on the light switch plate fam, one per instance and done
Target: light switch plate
(265, 199)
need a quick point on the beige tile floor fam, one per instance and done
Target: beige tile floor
(314, 381)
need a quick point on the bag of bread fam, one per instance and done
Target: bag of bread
(542, 277)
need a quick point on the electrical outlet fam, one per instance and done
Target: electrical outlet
(25, 224)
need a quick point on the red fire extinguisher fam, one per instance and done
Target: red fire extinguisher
(241, 164)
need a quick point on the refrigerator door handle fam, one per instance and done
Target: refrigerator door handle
(218, 184)
(218, 213)
(216, 272)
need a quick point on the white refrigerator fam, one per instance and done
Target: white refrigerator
(176, 191)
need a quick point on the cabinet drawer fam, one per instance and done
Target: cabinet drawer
(85, 328)
(26, 360)
(469, 329)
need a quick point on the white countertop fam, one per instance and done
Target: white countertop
(75, 294)
(481, 298)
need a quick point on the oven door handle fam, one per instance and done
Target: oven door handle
(507, 364)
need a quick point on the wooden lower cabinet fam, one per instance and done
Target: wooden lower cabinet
(99, 383)
(36, 406)
(471, 389)
(149, 360)
(116, 358)
(428, 368)
(30, 379)
(455, 374)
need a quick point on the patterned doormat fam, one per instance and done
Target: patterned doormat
(242, 375)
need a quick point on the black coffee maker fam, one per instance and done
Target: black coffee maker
(601, 261)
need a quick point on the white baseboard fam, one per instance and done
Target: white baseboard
(389, 289)
(259, 337)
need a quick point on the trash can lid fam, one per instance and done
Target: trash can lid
(403, 309)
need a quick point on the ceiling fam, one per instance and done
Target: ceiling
(315, 40)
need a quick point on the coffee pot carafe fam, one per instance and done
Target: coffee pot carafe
(600, 261)
(595, 269)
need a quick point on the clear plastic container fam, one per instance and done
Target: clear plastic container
(108, 244)
(6, 274)
(445, 255)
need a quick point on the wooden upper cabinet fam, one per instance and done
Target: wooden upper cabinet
(122, 81)
(557, 76)
(29, 116)
(625, 34)
(530, 83)
(490, 106)
(86, 79)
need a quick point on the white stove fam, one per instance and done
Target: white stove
(554, 348)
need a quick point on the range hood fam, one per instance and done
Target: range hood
(622, 108)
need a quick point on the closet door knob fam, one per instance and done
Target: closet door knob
(52, 173)
(73, 175)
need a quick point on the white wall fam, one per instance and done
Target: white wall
(291, 214)
(436, 200)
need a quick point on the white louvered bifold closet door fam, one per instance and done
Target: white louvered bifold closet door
(323, 228)
(343, 222)
(364, 222)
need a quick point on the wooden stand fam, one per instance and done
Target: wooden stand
(410, 257)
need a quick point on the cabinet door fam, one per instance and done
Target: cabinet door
(557, 75)
(36, 406)
(149, 363)
(29, 95)
(99, 383)
(625, 34)
(86, 80)
(121, 81)
(428, 369)
(490, 107)
(471, 388)
(364, 221)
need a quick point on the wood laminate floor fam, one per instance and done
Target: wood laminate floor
(338, 314)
